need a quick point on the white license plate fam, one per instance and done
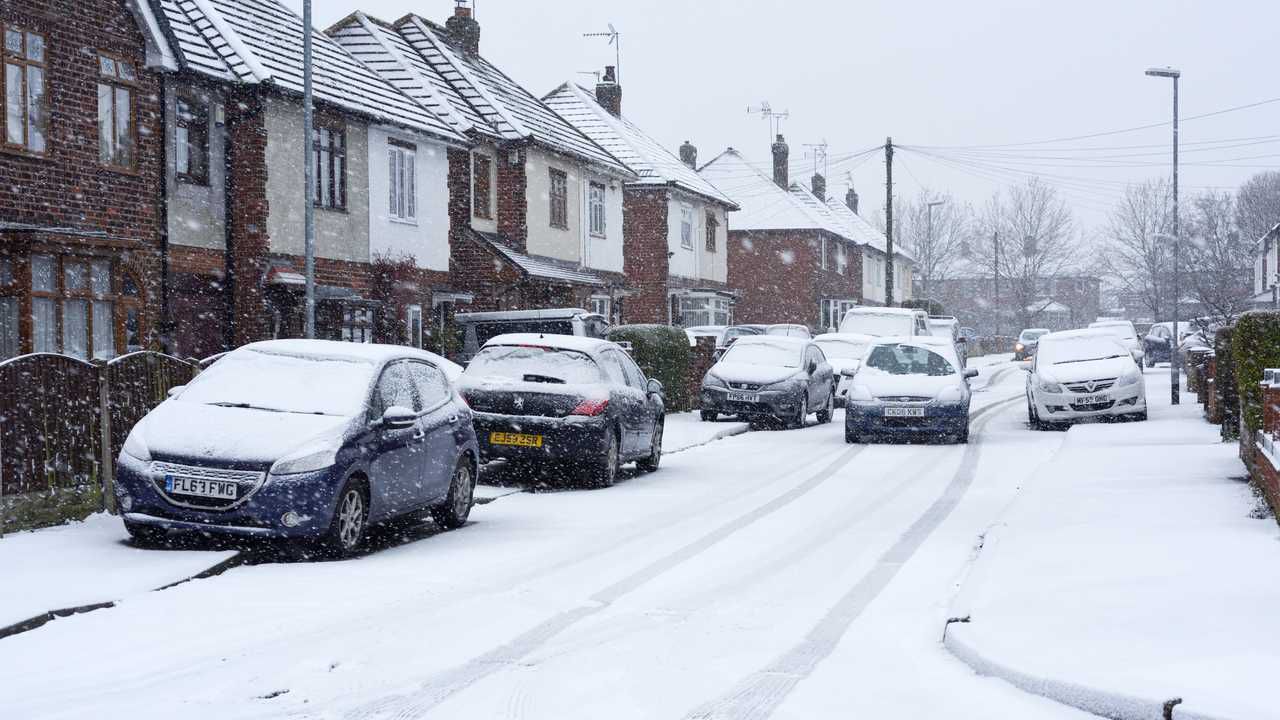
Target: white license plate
(198, 487)
(909, 412)
(743, 397)
(1092, 400)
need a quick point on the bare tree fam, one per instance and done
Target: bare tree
(1027, 234)
(1138, 253)
(1258, 205)
(1218, 259)
(934, 239)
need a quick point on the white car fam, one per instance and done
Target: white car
(844, 351)
(885, 322)
(1126, 332)
(795, 331)
(1082, 374)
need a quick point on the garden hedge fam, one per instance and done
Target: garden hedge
(662, 352)
(1255, 346)
(1224, 383)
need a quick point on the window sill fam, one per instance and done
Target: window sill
(599, 236)
(118, 170)
(400, 221)
(24, 153)
(340, 211)
(559, 227)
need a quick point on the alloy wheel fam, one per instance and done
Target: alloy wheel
(463, 490)
(351, 518)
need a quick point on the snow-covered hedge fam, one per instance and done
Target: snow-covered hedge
(1255, 346)
(1226, 394)
(662, 352)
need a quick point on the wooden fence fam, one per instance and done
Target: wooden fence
(62, 423)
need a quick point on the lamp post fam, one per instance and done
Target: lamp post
(1174, 364)
(309, 173)
(924, 277)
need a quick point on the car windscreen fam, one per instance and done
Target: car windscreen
(877, 324)
(787, 331)
(489, 330)
(1061, 351)
(535, 364)
(764, 353)
(734, 333)
(1032, 335)
(842, 349)
(907, 360)
(286, 383)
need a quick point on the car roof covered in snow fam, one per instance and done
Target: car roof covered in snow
(772, 340)
(1076, 334)
(561, 342)
(872, 310)
(349, 352)
(845, 337)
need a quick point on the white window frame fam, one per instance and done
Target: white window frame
(597, 203)
(413, 322)
(822, 260)
(602, 305)
(832, 312)
(402, 192)
(698, 309)
(687, 223)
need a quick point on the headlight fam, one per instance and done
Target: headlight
(1050, 387)
(135, 448)
(1129, 379)
(1019, 347)
(311, 459)
(950, 395)
(711, 380)
(782, 385)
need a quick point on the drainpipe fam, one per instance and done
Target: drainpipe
(166, 311)
(228, 256)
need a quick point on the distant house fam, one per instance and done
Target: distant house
(236, 195)
(676, 222)
(874, 256)
(1266, 270)
(1057, 303)
(536, 205)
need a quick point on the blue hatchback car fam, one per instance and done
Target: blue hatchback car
(302, 439)
(910, 387)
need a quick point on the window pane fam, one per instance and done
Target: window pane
(326, 198)
(75, 328)
(13, 104)
(35, 47)
(393, 181)
(9, 345)
(182, 156)
(42, 279)
(106, 125)
(104, 336)
(128, 287)
(101, 278)
(339, 177)
(132, 330)
(124, 128)
(44, 325)
(126, 70)
(6, 271)
(13, 41)
(410, 186)
(75, 277)
(107, 66)
(37, 115)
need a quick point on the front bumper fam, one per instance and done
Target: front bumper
(567, 438)
(312, 497)
(769, 403)
(1061, 407)
(866, 418)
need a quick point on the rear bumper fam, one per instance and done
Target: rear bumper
(772, 403)
(869, 419)
(569, 438)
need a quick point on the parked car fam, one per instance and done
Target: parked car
(844, 351)
(302, 439)
(701, 331)
(1157, 344)
(1124, 330)
(770, 377)
(795, 331)
(1083, 374)
(949, 327)
(885, 322)
(480, 328)
(733, 332)
(579, 403)
(1027, 342)
(910, 387)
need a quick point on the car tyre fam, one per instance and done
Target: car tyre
(651, 463)
(851, 436)
(824, 415)
(962, 437)
(455, 510)
(1139, 417)
(710, 415)
(350, 521)
(604, 473)
(147, 536)
(796, 421)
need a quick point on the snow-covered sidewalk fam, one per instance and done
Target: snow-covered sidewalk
(686, 430)
(1130, 572)
(85, 563)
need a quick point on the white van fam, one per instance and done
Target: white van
(885, 322)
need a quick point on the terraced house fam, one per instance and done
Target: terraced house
(537, 206)
(676, 226)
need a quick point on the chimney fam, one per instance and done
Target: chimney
(851, 199)
(820, 187)
(464, 29)
(781, 158)
(609, 92)
(689, 155)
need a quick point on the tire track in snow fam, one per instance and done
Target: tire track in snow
(758, 695)
(437, 689)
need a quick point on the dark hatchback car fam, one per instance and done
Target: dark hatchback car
(1028, 341)
(572, 402)
(770, 377)
(302, 439)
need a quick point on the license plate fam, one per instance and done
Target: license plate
(743, 397)
(517, 439)
(199, 487)
(1092, 400)
(903, 412)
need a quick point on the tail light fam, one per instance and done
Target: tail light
(591, 408)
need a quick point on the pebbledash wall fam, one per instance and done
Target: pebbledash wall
(574, 243)
(425, 238)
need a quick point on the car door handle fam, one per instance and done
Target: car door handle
(453, 419)
(419, 434)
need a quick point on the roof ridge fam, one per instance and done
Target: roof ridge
(235, 43)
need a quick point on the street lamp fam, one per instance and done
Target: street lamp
(924, 277)
(1174, 379)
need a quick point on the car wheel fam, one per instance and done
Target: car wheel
(824, 415)
(802, 413)
(851, 436)
(710, 416)
(456, 509)
(147, 536)
(604, 473)
(1139, 417)
(1150, 360)
(1033, 415)
(962, 437)
(651, 463)
(350, 520)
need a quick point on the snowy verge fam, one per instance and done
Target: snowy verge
(687, 430)
(86, 563)
(1128, 574)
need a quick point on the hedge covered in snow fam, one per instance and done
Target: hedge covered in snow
(662, 352)
(1255, 346)
(1227, 396)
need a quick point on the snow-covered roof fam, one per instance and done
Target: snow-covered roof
(861, 230)
(421, 59)
(541, 267)
(655, 164)
(259, 42)
(762, 204)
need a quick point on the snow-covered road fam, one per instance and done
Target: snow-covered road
(765, 575)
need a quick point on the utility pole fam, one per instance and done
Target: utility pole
(888, 225)
(1175, 365)
(309, 209)
(995, 239)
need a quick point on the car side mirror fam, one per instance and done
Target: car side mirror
(175, 390)
(1026, 367)
(654, 387)
(970, 373)
(397, 418)
(849, 372)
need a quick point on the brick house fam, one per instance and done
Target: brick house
(235, 193)
(874, 257)
(676, 223)
(791, 260)
(536, 206)
(81, 248)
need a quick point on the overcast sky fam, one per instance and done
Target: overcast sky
(935, 73)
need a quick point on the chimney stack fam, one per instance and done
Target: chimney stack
(464, 29)
(609, 92)
(781, 160)
(851, 199)
(820, 187)
(689, 155)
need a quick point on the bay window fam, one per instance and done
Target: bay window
(693, 310)
(76, 310)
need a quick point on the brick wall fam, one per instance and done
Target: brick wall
(1262, 464)
(779, 276)
(247, 218)
(513, 202)
(646, 263)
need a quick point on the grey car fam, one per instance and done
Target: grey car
(767, 377)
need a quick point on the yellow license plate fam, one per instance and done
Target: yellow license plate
(501, 438)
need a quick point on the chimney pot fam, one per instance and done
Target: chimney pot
(609, 92)
(851, 199)
(781, 160)
(464, 29)
(689, 154)
(820, 187)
